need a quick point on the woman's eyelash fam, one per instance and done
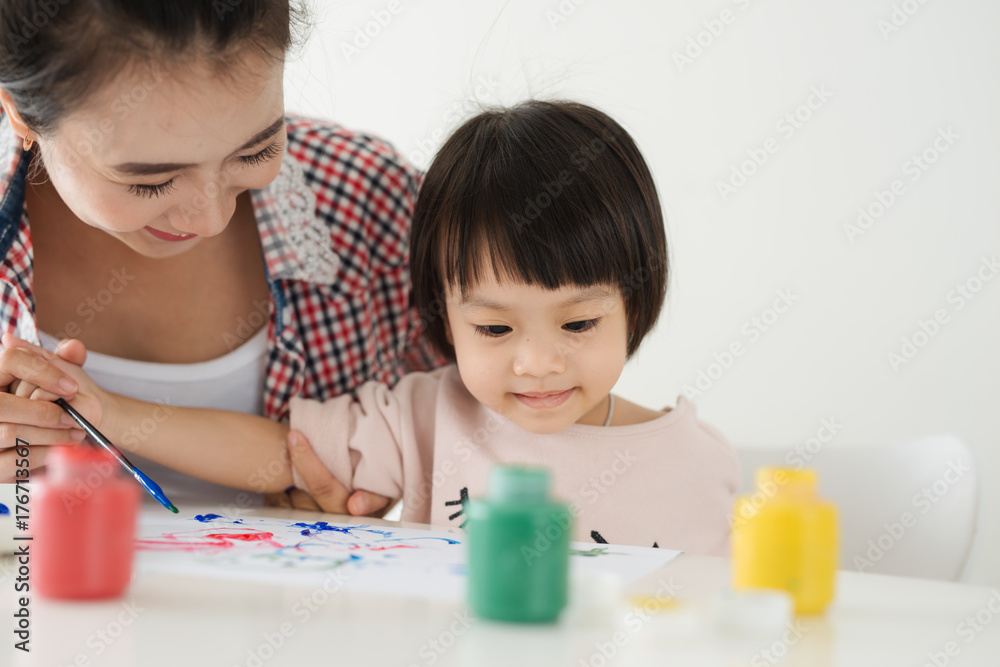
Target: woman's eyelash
(150, 191)
(263, 156)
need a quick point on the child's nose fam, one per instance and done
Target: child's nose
(539, 357)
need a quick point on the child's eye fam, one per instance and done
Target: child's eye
(263, 156)
(150, 191)
(492, 330)
(582, 325)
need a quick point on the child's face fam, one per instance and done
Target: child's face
(545, 359)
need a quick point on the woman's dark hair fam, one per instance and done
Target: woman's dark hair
(55, 53)
(545, 193)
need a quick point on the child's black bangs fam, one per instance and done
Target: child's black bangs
(524, 234)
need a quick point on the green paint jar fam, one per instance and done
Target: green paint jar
(518, 540)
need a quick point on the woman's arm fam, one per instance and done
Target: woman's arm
(230, 448)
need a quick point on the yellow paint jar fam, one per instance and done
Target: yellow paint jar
(785, 537)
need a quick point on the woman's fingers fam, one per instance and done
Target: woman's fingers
(301, 500)
(72, 350)
(323, 490)
(365, 503)
(33, 435)
(277, 500)
(37, 455)
(20, 411)
(18, 363)
(329, 494)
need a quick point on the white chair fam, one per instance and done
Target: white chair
(906, 508)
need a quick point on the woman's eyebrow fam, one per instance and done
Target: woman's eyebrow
(151, 168)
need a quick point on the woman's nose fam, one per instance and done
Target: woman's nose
(204, 215)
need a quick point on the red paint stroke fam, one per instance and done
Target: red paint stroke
(265, 538)
(368, 547)
(202, 541)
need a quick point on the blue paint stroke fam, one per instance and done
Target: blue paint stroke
(407, 539)
(205, 518)
(4, 509)
(323, 526)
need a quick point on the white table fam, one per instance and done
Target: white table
(172, 620)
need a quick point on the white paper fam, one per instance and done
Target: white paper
(397, 561)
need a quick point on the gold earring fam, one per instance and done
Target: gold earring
(27, 143)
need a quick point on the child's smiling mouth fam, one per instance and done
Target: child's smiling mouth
(542, 401)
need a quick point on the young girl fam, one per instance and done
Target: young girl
(539, 263)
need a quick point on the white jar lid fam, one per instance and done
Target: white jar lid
(753, 612)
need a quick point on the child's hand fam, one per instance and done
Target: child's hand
(30, 378)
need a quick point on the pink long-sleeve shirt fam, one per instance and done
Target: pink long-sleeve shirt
(669, 482)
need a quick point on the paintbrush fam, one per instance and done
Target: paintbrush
(152, 487)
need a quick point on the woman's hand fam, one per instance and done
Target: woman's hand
(30, 379)
(323, 492)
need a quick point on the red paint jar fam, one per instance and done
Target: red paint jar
(84, 520)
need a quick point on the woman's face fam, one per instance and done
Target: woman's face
(158, 157)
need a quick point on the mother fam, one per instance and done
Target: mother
(158, 205)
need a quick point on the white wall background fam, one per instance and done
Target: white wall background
(897, 73)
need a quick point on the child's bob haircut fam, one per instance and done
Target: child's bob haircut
(543, 193)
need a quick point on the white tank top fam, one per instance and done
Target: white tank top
(234, 381)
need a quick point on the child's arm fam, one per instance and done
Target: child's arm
(230, 448)
(220, 446)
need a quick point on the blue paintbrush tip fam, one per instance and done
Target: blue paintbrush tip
(154, 489)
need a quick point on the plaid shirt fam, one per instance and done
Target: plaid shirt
(334, 229)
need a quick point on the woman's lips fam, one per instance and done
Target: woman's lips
(169, 237)
(545, 401)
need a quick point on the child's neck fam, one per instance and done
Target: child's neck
(625, 413)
